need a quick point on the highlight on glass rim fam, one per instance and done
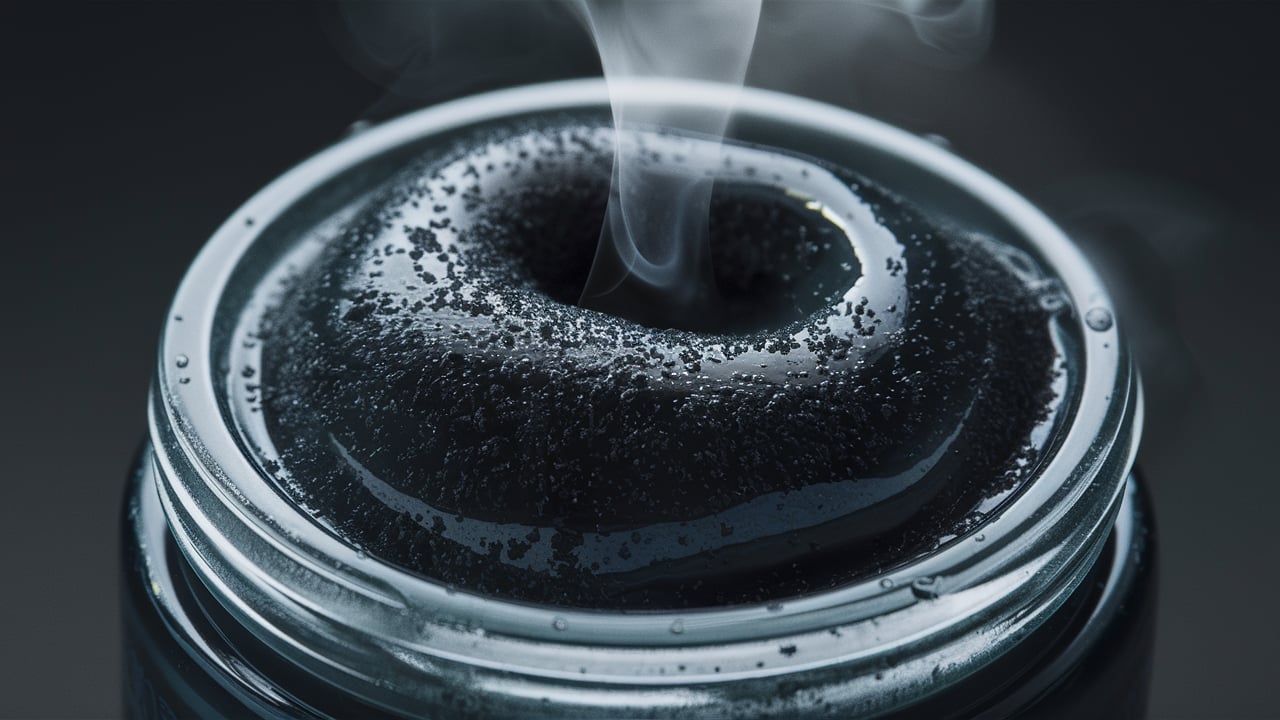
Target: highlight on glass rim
(621, 359)
(655, 395)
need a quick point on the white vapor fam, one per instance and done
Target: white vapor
(655, 231)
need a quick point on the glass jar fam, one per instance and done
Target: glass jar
(240, 601)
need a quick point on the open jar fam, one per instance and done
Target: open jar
(1002, 569)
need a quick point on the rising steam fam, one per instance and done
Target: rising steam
(655, 232)
(654, 247)
(653, 260)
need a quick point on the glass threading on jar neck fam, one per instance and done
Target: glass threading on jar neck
(329, 607)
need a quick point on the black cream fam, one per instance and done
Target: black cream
(430, 384)
(408, 458)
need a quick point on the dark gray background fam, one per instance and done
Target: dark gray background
(128, 132)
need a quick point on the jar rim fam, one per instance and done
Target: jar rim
(317, 598)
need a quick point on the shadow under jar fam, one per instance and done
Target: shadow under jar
(394, 468)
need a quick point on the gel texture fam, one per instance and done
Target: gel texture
(431, 385)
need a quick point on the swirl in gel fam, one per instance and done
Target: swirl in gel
(864, 383)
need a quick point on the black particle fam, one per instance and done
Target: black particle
(488, 395)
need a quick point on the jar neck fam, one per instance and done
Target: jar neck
(328, 608)
(239, 675)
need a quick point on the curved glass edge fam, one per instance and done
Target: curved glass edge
(324, 605)
(185, 659)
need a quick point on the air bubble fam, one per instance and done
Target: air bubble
(560, 624)
(1098, 319)
(181, 361)
(677, 627)
(1052, 302)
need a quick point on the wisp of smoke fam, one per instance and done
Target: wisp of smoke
(655, 231)
(654, 244)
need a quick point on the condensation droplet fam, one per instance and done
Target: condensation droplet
(181, 361)
(925, 588)
(677, 627)
(936, 139)
(1098, 319)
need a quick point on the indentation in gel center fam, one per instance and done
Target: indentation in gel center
(867, 383)
(651, 287)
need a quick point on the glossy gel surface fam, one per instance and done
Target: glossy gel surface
(865, 384)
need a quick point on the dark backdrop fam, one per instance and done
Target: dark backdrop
(128, 132)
